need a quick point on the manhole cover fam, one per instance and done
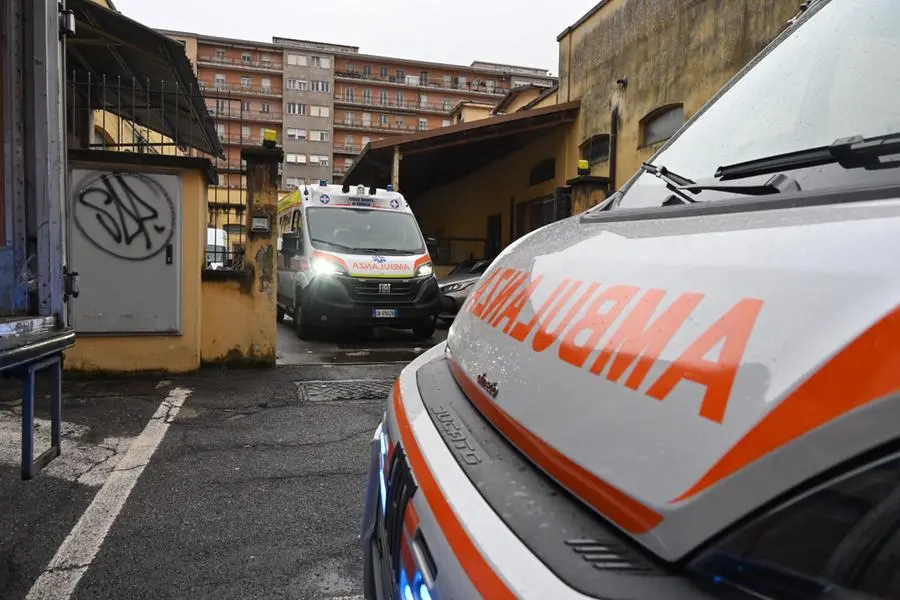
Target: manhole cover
(344, 390)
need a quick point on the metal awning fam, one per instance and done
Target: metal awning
(440, 156)
(163, 93)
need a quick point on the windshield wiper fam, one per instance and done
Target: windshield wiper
(854, 152)
(385, 251)
(334, 244)
(679, 184)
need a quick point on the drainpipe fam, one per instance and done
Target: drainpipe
(613, 147)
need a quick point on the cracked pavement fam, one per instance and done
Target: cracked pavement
(254, 492)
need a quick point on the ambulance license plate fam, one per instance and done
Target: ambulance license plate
(384, 313)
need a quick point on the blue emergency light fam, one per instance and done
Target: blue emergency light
(390, 187)
(323, 183)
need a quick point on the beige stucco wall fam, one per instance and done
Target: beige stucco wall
(671, 51)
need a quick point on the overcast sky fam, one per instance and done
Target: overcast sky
(522, 33)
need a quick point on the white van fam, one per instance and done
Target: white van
(692, 390)
(216, 248)
(353, 258)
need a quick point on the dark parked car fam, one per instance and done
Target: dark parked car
(456, 285)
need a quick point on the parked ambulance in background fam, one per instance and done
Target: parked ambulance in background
(353, 258)
(691, 391)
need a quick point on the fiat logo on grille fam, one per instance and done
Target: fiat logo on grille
(384, 288)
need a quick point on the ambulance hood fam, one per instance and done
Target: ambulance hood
(676, 374)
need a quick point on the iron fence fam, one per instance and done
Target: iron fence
(96, 105)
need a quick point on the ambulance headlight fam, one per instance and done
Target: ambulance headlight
(424, 270)
(325, 267)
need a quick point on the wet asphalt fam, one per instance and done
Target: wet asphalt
(254, 492)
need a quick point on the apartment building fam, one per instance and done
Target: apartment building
(377, 97)
(327, 101)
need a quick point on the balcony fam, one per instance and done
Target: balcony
(244, 115)
(477, 87)
(236, 139)
(231, 166)
(387, 128)
(264, 66)
(347, 149)
(231, 90)
(438, 108)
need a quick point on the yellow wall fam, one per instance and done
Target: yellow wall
(470, 112)
(550, 100)
(236, 325)
(671, 51)
(159, 353)
(461, 208)
(521, 99)
(239, 316)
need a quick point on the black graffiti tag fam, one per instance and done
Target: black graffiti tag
(127, 215)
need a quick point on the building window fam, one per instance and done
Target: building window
(401, 124)
(319, 111)
(297, 159)
(367, 71)
(348, 118)
(246, 82)
(246, 58)
(297, 84)
(383, 71)
(661, 124)
(245, 106)
(423, 124)
(596, 149)
(542, 171)
(384, 120)
(296, 60)
(348, 142)
(401, 75)
(382, 97)
(292, 182)
(351, 68)
(319, 136)
(265, 108)
(295, 134)
(349, 94)
(316, 159)
(220, 130)
(448, 106)
(365, 141)
(266, 86)
(245, 132)
(423, 78)
(367, 119)
(220, 81)
(423, 101)
(296, 108)
(447, 80)
(265, 60)
(322, 62)
(321, 86)
(367, 96)
(401, 98)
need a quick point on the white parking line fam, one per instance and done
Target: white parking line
(78, 550)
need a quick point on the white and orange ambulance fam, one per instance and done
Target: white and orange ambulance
(353, 257)
(692, 390)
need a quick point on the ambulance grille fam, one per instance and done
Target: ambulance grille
(383, 291)
(400, 489)
(607, 556)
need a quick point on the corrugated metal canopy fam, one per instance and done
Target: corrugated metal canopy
(440, 156)
(162, 91)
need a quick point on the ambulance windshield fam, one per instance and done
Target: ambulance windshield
(364, 231)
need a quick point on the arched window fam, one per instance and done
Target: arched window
(660, 124)
(595, 149)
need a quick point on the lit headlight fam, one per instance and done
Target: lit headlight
(424, 270)
(323, 266)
